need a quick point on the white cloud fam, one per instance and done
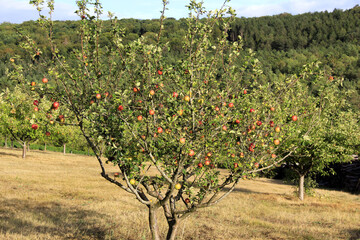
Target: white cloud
(293, 7)
(17, 11)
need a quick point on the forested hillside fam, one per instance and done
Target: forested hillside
(283, 42)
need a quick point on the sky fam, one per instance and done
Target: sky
(17, 11)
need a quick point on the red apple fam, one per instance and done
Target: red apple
(182, 140)
(277, 129)
(159, 130)
(231, 105)
(241, 154)
(200, 165)
(45, 80)
(175, 94)
(36, 102)
(273, 155)
(159, 72)
(272, 109)
(33, 83)
(245, 92)
(207, 162)
(224, 128)
(259, 123)
(236, 165)
(187, 200)
(139, 118)
(252, 110)
(151, 112)
(276, 141)
(191, 153)
(36, 109)
(98, 96)
(34, 126)
(256, 164)
(209, 154)
(135, 89)
(55, 105)
(217, 109)
(272, 124)
(120, 108)
(152, 92)
(47, 134)
(294, 118)
(237, 121)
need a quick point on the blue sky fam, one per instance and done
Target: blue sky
(17, 11)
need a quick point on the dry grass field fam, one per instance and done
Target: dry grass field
(52, 196)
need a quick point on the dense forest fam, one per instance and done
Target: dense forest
(283, 43)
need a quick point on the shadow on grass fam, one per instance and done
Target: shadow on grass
(9, 154)
(354, 234)
(31, 218)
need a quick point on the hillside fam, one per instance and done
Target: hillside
(284, 43)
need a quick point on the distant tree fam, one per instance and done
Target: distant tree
(19, 118)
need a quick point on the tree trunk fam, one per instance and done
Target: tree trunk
(45, 147)
(301, 186)
(173, 227)
(12, 143)
(24, 150)
(6, 141)
(28, 147)
(153, 223)
(64, 148)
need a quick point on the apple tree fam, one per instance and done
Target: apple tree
(183, 134)
(327, 137)
(20, 117)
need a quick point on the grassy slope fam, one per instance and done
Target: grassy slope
(51, 196)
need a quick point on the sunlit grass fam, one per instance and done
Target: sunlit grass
(52, 196)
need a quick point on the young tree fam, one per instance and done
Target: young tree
(182, 135)
(327, 137)
(20, 117)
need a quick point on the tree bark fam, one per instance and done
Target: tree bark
(12, 143)
(24, 150)
(301, 186)
(45, 147)
(28, 147)
(64, 148)
(173, 227)
(154, 228)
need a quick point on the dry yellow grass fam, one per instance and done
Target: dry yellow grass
(51, 196)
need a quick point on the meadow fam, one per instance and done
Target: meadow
(49, 195)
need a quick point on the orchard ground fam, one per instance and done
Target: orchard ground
(52, 196)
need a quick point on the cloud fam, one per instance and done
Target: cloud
(293, 7)
(17, 11)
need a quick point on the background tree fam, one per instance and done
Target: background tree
(20, 117)
(333, 135)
